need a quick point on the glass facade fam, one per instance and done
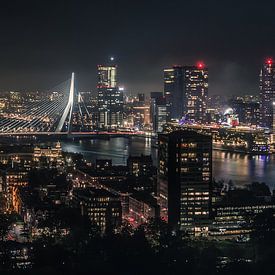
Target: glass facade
(267, 93)
(110, 98)
(185, 177)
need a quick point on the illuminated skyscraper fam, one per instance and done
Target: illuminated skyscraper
(248, 111)
(196, 91)
(267, 93)
(107, 76)
(110, 97)
(186, 91)
(159, 112)
(185, 177)
(173, 92)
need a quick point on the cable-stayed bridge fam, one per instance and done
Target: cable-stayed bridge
(50, 113)
(58, 111)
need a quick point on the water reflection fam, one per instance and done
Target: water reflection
(118, 149)
(243, 169)
(240, 168)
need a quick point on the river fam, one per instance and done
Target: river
(240, 168)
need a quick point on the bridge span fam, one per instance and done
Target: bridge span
(76, 134)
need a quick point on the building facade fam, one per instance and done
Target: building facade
(186, 92)
(173, 91)
(196, 92)
(140, 166)
(159, 113)
(185, 178)
(267, 93)
(102, 207)
(142, 208)
(48, 156)
(248, 112)
(110, 97)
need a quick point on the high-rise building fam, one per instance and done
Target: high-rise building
(110, 97)
(102, 207)
(186, 91)
(248, 111)
(159, 112)
(267, 93)
(273, 122)
(196, 91)
(185, 177)
(140, 166)
(173, 91)
(107, 76)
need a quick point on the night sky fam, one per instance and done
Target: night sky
(43, 41)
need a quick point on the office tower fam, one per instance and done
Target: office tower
(159, 112)
(110, 98)
(195, 88)
(139, 110)
(185, 177)
(267, 93)
(107, 76)
(173, 92)
(153, 97)
(186, 92)
(273, 117)
(248, 111)
(140, 166)
(141, 98)
(102, 207)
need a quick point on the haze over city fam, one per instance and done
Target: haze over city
(42, 43)
(137, 137)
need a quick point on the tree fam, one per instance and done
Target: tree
(264, 227)
(259, 189)
(263, 236)
(6, 220)
(4, 225)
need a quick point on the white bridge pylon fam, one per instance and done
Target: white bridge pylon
(69, 108)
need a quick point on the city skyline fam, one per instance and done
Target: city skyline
(137, 137)
(84, 87)
(232, 39)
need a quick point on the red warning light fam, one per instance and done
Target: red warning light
(200, 65)
(269, 61)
